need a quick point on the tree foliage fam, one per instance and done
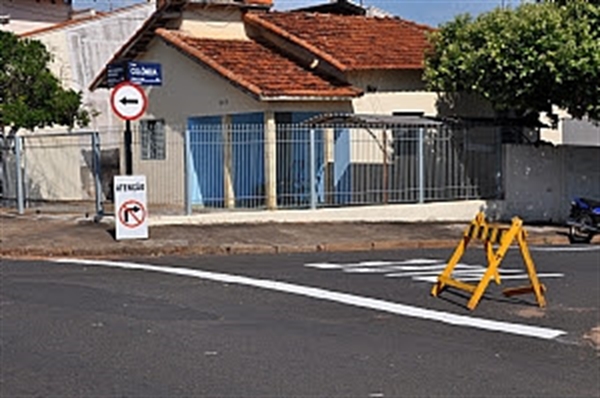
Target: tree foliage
(30, 95)
(524, 59)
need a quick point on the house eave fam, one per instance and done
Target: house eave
(297, 98)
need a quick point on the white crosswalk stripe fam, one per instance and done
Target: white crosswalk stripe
(424, 270)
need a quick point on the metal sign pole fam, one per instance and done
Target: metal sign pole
(128, 151)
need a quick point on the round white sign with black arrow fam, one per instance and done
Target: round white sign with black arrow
(128, 101)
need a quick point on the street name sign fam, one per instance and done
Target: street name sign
(141, 73)
(128, 101)
(144, 73)
(115, 74)
(131, 211)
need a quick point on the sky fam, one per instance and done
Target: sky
(430, 12)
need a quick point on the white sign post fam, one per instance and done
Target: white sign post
(131, 211)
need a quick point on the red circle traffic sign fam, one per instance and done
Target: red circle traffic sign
(132, 214)
(128, 101)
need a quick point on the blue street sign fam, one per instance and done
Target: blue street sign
(115, 74)
(144, 73)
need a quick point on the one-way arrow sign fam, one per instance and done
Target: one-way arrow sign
(128, 101)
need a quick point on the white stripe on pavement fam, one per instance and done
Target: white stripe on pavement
(343, 298)
(477, 278)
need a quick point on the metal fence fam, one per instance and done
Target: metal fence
(216, 166)
(212, 167)
(60, 172)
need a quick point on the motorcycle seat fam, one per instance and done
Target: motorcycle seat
(592, 203)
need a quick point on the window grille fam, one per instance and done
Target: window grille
(153, 139)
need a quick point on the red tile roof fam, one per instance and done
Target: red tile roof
(256, 68)
(351, 42)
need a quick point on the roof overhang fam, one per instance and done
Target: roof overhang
(311, 98)
(339, 7)
(528, 122)
(372, 121)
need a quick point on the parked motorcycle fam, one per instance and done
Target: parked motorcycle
(584, 220)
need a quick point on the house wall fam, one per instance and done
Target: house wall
(190, 90)
(28, 15)
(223, 23)
(404, 91)
(540, 182)
(80, 52)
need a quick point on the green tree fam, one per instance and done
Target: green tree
(524, 59)
(30, 95)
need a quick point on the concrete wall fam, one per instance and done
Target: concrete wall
(580, 132)
(55, 168)
(540, 182)
(463, 211)
(570, 131)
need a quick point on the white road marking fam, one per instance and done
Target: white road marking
(426, 272)
(368, 264)
(477, 278)
(342, 298)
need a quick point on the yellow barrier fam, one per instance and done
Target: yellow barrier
(491, 235)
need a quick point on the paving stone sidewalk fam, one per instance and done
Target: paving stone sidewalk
(42, 235)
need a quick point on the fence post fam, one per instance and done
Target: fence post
(312, 171)
(228, 177)
(18, 153)
(97, 170)
(187, 174)
(421, 165)
(270, 148)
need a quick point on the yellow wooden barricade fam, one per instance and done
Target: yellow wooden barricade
(490, 235)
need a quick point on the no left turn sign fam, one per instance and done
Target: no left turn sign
(128, 101)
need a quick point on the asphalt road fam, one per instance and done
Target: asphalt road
(69, 329)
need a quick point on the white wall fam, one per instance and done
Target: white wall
(81, 50)
(540, 182)
(55, 168)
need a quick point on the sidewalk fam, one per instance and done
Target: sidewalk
(42, 235)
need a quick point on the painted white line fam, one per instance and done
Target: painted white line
(323, 266)
(343, 298)
(477, 278)
(368, 264)
(458, 270)
(372, 270)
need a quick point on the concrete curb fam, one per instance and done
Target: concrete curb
(182, 249)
